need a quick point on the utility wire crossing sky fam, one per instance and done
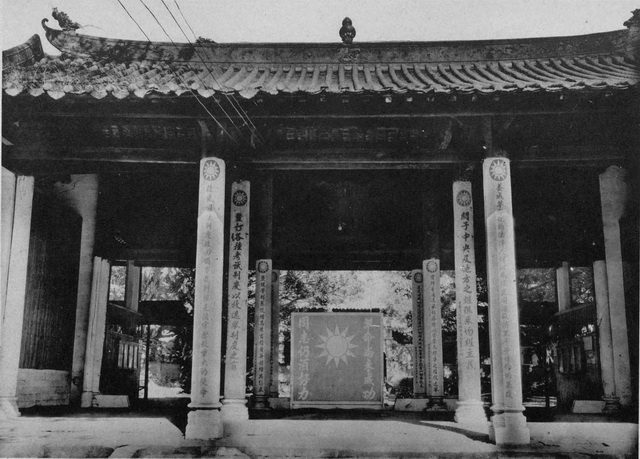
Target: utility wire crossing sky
(227, 21)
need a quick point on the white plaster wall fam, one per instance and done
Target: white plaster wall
(43, 387)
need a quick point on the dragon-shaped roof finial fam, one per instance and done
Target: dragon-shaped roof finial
(64, 21)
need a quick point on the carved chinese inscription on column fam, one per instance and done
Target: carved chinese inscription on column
(275, 333)
(237, 291)
(466, 297)
(336, 358)
(419, 377)
(262, 337)
(502, 276)
(208, 278)
(433, 326)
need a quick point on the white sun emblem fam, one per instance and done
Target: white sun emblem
(337, 346)
(498, 170)
(211, 170)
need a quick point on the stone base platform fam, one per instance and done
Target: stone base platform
(101, 435)
(422, 404)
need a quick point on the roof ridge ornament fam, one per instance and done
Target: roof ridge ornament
(633, 40)
(633, 20)
(64, 21)
(347, 31)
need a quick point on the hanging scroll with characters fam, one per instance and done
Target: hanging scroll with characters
(336, 360)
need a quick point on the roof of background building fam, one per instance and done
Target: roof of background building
(103, 67)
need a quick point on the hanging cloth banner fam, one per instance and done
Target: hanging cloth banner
(336, 360)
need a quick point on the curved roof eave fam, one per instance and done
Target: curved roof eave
(102, 67)
(79, 45)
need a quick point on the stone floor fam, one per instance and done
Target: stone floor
(160, 433)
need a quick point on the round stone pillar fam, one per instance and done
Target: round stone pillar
(470, 409)
(234, 407)
(509, 425)
(204, 421)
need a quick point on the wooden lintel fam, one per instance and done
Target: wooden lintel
(96, 114)
(337, 159)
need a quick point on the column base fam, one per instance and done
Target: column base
(234, 415)
(470, 414)
(234, 410)
(204, 425)
(436, 403)
(261, 402)
(509, 429)
(611, 405)
(9, 407)
(86, 399)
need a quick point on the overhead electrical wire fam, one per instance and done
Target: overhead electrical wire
(238, 108)
(194, 70)
(222, 127)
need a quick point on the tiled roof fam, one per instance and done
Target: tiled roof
(114, 68)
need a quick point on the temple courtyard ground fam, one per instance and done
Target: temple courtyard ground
(160, 433)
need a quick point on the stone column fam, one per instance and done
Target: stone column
(8, 201)
(204, 421)
(132, 286)
(274, 389)
(470, 409)
(433, 332)
(612, 402)
(82, 195)
(509, 426)
(262, 335)
(418, 322)
(234, 403)
(95, 331)
(15, 301)
(613, 197)
(563, 285)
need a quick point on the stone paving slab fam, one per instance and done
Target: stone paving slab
(136, 436)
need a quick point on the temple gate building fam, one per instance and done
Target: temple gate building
(482, 157)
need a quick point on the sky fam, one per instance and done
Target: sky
(319, 20)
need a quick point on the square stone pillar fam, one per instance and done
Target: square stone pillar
(418, 322)
(470, 409)
(204, 421)
(509, 425)
(262, 335)
(274, 388)
(8, 201)
(234, 403)
(132, 286)
(605, 340)
(563, 286)
(95, 331)
(613, 197)
(12, 320)
(433, 333)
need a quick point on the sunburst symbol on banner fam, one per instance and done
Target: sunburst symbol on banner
(337, 346)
